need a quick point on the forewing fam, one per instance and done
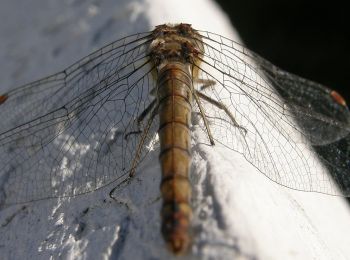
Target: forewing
(75, 131)
(280, 117)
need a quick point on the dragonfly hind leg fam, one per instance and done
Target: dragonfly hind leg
(146, 111)
(140, 119)
(206, 83)
(201, 110)
(142, 141)
(140, 144)
(222, 107)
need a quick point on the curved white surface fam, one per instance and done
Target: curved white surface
(237, 211)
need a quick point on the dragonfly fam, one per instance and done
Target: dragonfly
(93, 123)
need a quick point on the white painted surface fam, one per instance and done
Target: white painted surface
(238, 212)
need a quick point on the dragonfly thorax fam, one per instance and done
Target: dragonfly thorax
(178, 43)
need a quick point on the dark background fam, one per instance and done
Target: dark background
(307, 38)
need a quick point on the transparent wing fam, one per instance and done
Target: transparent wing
(75, 131)
(282, 117)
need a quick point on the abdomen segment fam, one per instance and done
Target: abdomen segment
(174, 93)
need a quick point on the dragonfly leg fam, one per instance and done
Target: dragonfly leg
(140, 119)
(206, 83)
(125, 182)
(204, 117)
(146, 111)
(222, 107)
(119, 201)
(142, 141)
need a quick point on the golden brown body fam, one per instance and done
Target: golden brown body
(174, 94)
(174, 52)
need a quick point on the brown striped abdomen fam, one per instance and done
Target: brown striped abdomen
(174, 93)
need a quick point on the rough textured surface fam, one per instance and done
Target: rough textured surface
(237, 211)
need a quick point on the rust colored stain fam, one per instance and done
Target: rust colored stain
(338, 98)
(3, 98)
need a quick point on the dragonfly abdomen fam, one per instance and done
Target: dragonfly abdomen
(174, 93)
